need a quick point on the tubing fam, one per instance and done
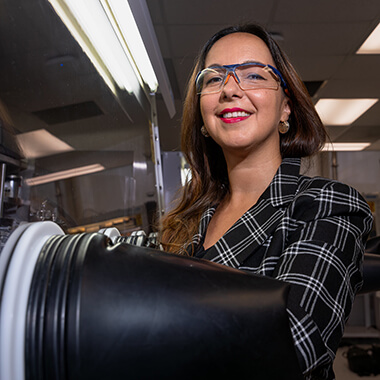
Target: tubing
(98, 310)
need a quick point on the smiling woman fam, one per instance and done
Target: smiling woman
(245, 116)
(247, 122)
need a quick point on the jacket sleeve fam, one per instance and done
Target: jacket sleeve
(322, 259)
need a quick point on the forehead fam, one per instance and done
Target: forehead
(238, 48)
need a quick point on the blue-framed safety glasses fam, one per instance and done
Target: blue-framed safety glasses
(249, 76)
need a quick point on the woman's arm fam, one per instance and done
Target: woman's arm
(322, 260)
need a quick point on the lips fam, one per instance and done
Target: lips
(234, 115)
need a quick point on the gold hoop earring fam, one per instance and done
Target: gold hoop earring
(283, 127)
(204, 131)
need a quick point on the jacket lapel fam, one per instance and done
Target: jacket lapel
(259, 222)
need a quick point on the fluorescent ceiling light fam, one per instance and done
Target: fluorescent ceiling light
(120, 15)
(342, 111)
(144, 22)
(372, 44)
(64, 174)
(345, 146)
(41, 143)
(92, 31)
(95, 27)
(118, 36)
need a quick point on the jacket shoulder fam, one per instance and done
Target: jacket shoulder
(321, 197)
(309, 186)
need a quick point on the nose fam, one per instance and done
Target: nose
(229, 89)
(229, 75)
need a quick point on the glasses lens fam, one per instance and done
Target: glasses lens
(248, 76)
(210, 80)
(256, 77)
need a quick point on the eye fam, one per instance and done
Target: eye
(212, 77)
(255, 74)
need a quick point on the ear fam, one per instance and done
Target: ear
(286, 109)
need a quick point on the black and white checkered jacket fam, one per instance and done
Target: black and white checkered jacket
(309, 232)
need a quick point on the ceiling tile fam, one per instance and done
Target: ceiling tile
(163, 40)
(321, 11)
(156, 11)
(201, 12)
(360, 66)
(360, 134)
(371, 117)
(351, 88)
(186, 41)
(374, 146)
(316, 67)
(322, 39)
(335, 131)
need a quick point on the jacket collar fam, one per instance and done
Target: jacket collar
(258, 223)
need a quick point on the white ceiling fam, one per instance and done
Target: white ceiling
(41, 67)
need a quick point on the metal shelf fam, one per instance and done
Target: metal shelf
(11, 161)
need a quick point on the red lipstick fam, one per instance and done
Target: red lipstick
(234, 115)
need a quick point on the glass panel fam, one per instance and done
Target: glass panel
(56, 105)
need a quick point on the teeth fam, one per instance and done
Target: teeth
(235, 114)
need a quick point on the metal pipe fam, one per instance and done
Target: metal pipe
(156, 155)
(2, 185)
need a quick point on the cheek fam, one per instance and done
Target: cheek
(265, 98)
(202, 108)
(206, 108)
(268, 101)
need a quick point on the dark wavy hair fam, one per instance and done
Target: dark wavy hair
(209, 183)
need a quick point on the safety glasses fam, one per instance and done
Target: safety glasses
(249, 76)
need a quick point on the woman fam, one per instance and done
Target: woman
(247, 122)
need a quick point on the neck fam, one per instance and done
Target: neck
(250, 176)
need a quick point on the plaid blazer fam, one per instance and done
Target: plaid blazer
(309, 232)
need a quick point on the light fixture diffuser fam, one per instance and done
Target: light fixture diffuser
(64, 174)
(372, 44)
(342, 111)
(345, 147)
(41, 143)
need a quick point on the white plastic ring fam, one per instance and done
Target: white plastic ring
(15, 297)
